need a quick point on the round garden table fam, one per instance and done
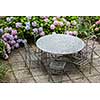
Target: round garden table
(60, 44)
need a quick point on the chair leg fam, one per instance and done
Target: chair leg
(90, 69)
(50, 77)
(61, 75)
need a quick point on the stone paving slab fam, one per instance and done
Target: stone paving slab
(73, 72)
(42, 79)
(22, 74)
(84, 80)
(87, 74)
(66, 81)
(26, 80)
(96, 62)
(11, 78)
(95, 79)
(98, 68)
(18, 66)
(37, 72)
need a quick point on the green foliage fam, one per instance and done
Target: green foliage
(3, 70)
(2, 48)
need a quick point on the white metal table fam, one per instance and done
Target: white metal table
(60, 44)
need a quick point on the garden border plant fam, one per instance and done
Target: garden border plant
(15, 29)
(3, 71)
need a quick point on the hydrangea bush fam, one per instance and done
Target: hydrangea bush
(15, 29)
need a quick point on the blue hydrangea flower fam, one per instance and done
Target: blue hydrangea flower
(28, 24)
(35, 30)
(1, 31)
(27, 28)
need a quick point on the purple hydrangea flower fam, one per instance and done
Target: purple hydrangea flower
(19, 40)
(52, 27)
(7, 36)
(18, 25)
(15, 37)
(34, 24)
(13, 42)
(16, 45)
(35, 30)
(40, 29)
(5, 39)
(14, 32)
(11, 37)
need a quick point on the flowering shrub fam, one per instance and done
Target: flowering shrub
(14, 29)
(96, 28)
(2, 48)
(36, 25)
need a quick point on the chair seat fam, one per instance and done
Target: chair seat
(57, 65)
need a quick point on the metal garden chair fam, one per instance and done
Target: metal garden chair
(85, 56)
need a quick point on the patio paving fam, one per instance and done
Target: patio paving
(19, 73)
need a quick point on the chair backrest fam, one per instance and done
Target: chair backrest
(90, 46)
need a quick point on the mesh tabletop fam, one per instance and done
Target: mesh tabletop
(60, 44)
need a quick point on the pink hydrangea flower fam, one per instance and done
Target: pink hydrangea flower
(52, 27)
(61, 24)
(56, 22)
(18, 25)
(98, 22)
(34, 24)
(42, 33)
(14, 32)
(46, 20)
(58, 16)
(96, 29)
